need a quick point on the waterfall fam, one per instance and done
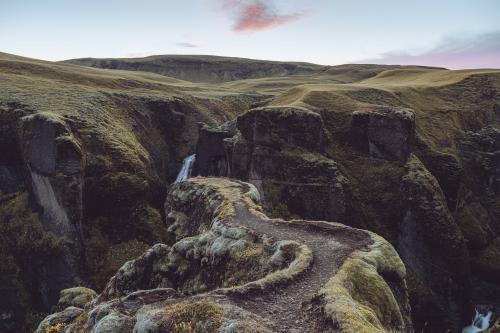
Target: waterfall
(480, 323)
(53, 212)
(187, 165)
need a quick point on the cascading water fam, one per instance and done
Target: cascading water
(187, 166)
(480, 323)
(53, 212)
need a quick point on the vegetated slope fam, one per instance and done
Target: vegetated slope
(202, 68)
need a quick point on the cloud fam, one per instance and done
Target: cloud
(254, 15)
(186, 44)
(480, 51)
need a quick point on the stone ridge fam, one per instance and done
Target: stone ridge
(292, 276)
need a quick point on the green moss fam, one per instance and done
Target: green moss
(76, 296)
(369, 288)
(197, 317)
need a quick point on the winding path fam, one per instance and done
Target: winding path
(331, 245)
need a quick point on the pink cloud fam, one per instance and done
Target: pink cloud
(254, 15)
(481, 51)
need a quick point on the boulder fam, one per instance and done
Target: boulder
(76, 296)
(58, 321)
(383, 132)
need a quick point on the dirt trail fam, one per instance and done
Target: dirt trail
(283, 305)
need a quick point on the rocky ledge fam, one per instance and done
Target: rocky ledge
(230, 268)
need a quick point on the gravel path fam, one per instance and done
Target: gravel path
(283, 305)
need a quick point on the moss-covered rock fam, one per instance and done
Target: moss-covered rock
(58, 322)
(76, 296)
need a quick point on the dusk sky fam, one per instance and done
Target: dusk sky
(449, 33)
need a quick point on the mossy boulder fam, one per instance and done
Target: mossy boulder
(76, 296)
(57, 322)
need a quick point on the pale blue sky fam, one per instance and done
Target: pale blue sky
(325, 32)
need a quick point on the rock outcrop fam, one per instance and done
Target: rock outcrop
(232, 269)
(54, 158)
(41, 181)
(429, 231)
(384, 132)
(478, 209)
(281, 151)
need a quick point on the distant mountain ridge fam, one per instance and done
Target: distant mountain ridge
(202, 68)
(216, 69)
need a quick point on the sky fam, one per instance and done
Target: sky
(446, 33)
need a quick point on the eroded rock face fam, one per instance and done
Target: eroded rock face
(277, 127)
(433, 248)
(280, 151)
(478, 208)
(56, 164)
(210, 153)
(229, 250)
(384, 132)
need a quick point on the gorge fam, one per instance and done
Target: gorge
(299, 198)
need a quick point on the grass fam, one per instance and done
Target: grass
(197, 317)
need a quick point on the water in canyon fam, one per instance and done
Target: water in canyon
(187, 166)
(480, 323)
